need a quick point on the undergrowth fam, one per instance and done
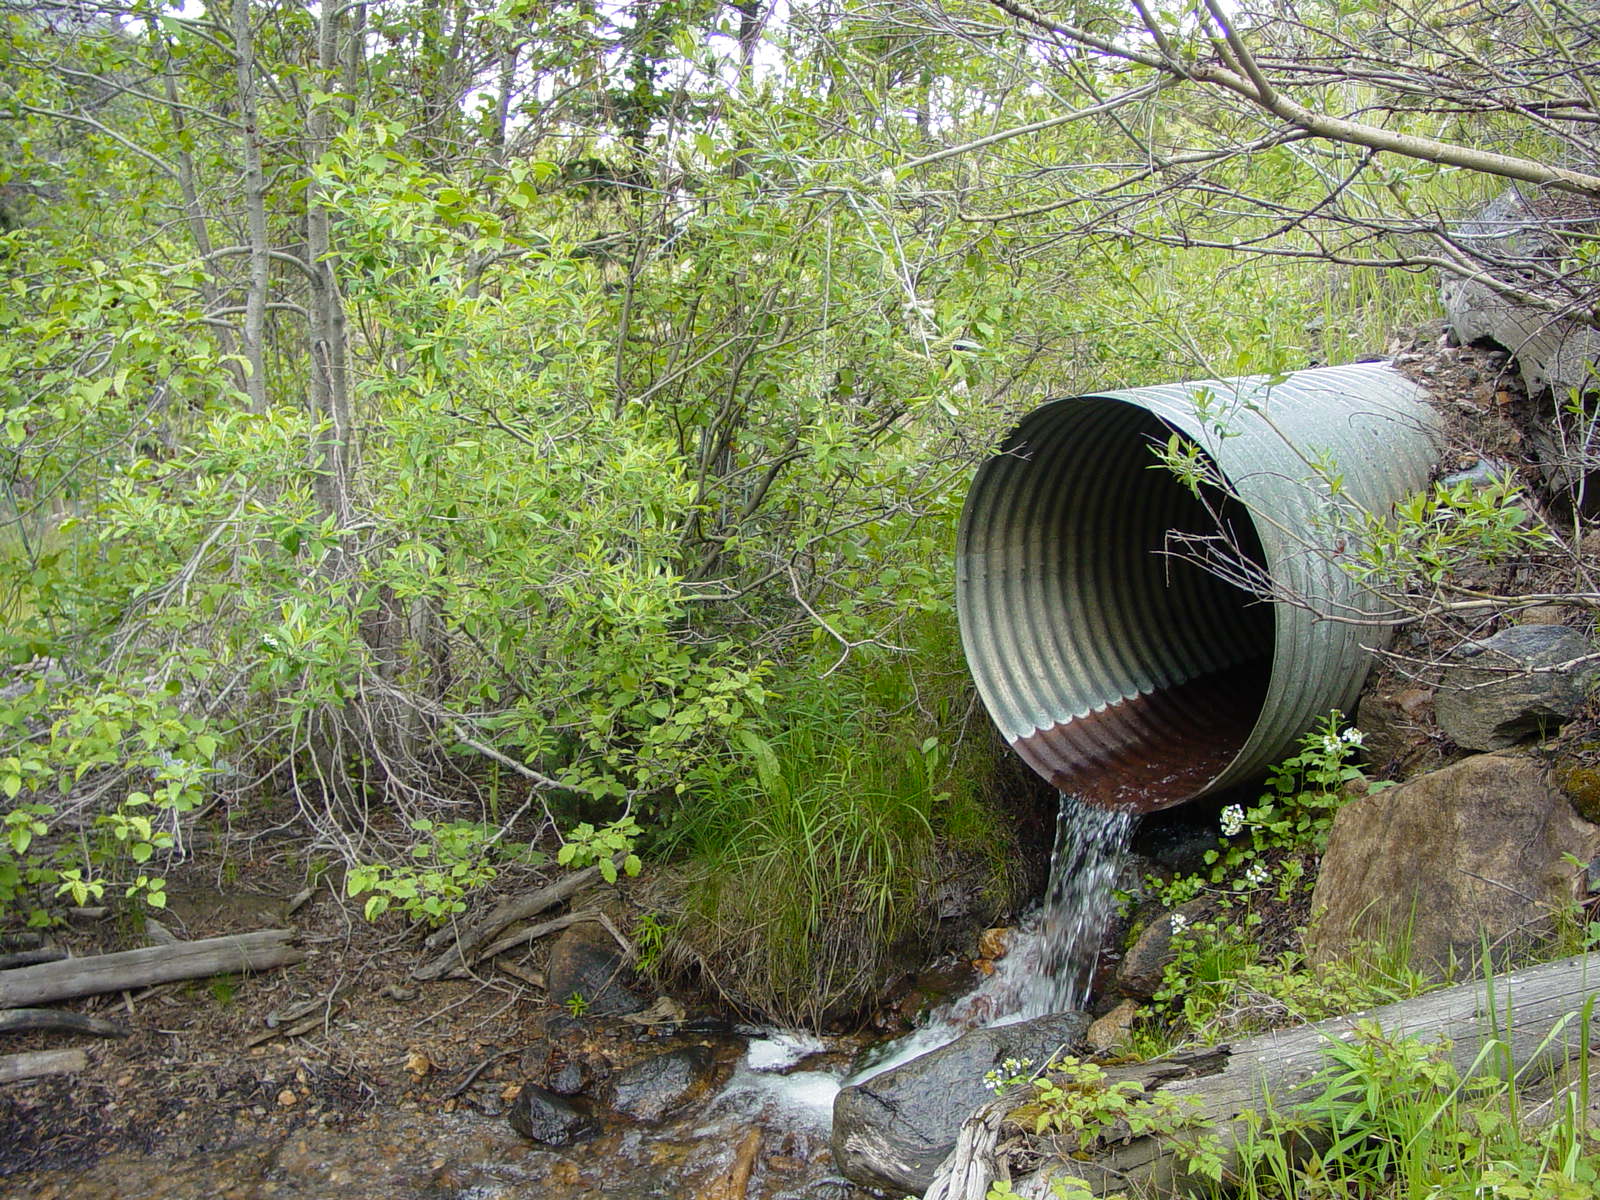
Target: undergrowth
(815, 852)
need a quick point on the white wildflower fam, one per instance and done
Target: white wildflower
(1353, 736)
(1179, 922)
(1256, 875)
(1232, 820)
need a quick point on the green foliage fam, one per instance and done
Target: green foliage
(1218, 984)
(812, 853)
(586, 845)
(1077, 1101)
(651, 936)
(1405, 1122)
(1436, 532)
(450, 861)
(1293, 817)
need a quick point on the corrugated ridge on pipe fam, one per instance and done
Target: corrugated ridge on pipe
(1135, 677)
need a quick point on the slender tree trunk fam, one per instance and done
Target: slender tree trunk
(255, 200)
(330, 388)
(194, 213)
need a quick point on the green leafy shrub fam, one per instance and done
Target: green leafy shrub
(1222, 982)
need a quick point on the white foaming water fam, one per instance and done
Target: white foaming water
(805, 1097)
(1048, 968)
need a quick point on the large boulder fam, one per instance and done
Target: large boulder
(894, 1130)
(1479, 853)
(1522, 682)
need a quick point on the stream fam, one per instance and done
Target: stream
(761, 1133)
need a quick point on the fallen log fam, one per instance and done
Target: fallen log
(1535, 1015)
(41, 1062)
(57, 1020)
(27, 958)
(258, 951)
(463, 944)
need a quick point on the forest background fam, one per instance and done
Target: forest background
(463, 439)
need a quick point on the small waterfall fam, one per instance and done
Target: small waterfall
(1090, 842)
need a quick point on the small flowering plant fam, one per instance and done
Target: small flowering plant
(1293, 816)
(1007, 1075)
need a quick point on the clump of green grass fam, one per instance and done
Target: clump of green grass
(1401, 1120)
(816, 850)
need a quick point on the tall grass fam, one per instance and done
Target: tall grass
(819, 847)
(1400, 1121)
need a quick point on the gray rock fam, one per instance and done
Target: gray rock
(1482, 474)
(1518, 686)
(1550, 352)
(653, 1087)
(546, 1118)
(1479, 852)
(1139, 974)
(586, 961)
(894, 1130)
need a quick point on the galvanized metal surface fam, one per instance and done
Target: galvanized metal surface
(1135, 677)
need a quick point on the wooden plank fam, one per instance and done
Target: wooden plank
(99, 973)
(42, 1062)
(1535, 1013)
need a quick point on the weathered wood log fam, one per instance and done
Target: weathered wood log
(258, 951)
(462, 944)
(41, 1062)
(57, 1020)
(518, 936)
(27, 958)
(1534, 1015)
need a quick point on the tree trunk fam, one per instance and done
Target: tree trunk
(255, 200)
(330, 388)
(1536, 1016)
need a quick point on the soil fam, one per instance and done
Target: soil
(187, 1104)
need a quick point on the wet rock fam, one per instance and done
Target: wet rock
(1522, 682)
(993, 943)
(895, 1129)
(587, 962)
(1139, 975)
(566, 1078)
(546, 1118)
(1480, 851)
(653, 1087)
(1114, 1029)
(1175, 842)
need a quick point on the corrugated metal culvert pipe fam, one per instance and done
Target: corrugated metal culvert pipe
(1122, 670)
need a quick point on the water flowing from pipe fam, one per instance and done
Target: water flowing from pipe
(1089, 848)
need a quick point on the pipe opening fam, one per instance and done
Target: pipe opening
(1118, 669)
